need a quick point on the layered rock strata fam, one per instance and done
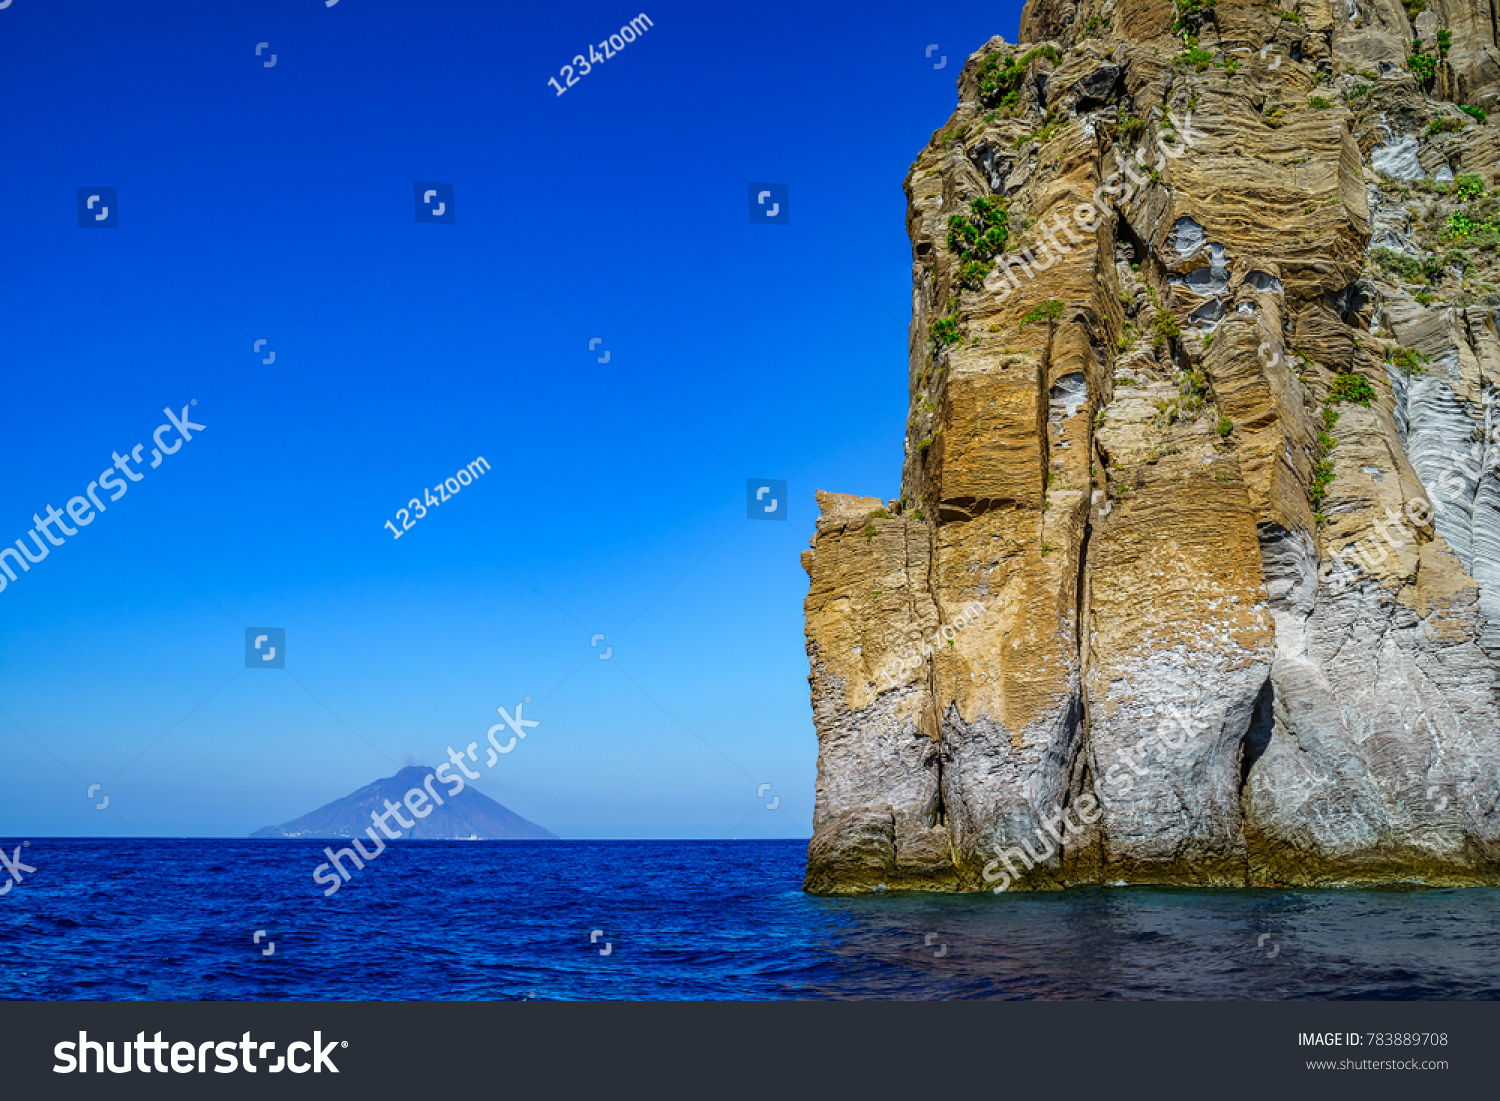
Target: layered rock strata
(1194, 575)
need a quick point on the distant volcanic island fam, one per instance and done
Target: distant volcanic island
(416, 795)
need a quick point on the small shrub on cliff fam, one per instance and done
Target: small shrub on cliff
(1423, 65)
(972, 274)
(977, 237)
(1193, 57)
(983, 229)
(1291, 17)
(1323, 465)
(1463, 224)
(1478, 114)
(1443, 125)
(1469, 186)
(1397, 263)
(1048, 311)
(945, 331)
(1191, 14)
(1445, 42)
(1353, 388)
(1001, 76)
(1164, 328)
(1322, 479)
(1483, 235)
(1192, 389)
(1226, 426)
(1415, 8)
(1320, 103)
(1409, 361)
(995, 77)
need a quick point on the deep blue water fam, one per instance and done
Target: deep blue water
(157, 919)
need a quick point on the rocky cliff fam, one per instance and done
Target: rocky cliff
(1193, 577)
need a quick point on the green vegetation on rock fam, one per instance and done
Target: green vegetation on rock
(1164, 328)
(1000, 76)
(1352, 387)
(1193, 57)
(1409, 361)
(977, 237)
(1191, 14)
(1048, 311)
(945, 331)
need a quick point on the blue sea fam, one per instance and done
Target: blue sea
(161, 920)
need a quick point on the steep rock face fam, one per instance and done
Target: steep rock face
(1195, 572)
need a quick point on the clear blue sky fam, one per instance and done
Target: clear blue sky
(277, 203)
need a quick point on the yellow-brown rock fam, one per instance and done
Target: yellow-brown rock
(1195, 572)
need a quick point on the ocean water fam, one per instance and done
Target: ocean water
(156, 919)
